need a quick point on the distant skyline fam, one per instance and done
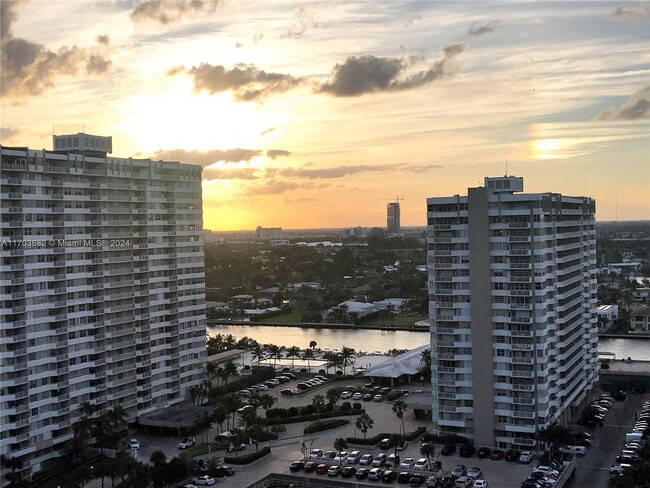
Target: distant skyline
(317, 114)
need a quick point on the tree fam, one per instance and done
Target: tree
(83, 432)
(257, 354)
(219, 416)
(307, 355)
(293, 351)
(427, 449)
(347, 357)
(211, 369)
(313, 344)
(318, 402)
(275, 353)
(426, 362)
(333, 395)
(340, 444)
(158, 458)
(364, 423)
(394, 440)
(14, 465)
(266, 402)
(555, 435)
(399, 406)
(331, 359)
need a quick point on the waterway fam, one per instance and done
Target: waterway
(382, 341)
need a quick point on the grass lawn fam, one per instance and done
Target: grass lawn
(287, 318)
(398, 321)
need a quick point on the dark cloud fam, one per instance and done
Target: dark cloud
(7, 133)
(642, 12)
(329, 173)
(274, 153)
(304, 20)
(637, 107)
(169, 11)
(206, 158)
(479, 30)
(273, 187)
(28, 68)
(369, 74)
(246, 81)
(230, 174)
(104, 39)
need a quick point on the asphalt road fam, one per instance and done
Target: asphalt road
(593, 469)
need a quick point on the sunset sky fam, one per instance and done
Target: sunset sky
(317, 114)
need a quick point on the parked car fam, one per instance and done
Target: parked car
(357, 396)
(244, 409)
(542, 478)
(334, 470)
(288, 392)
(310, 466)
(467, 451)
(417, 480)
(366, 460)
(497, 454)
(204, 480)
(464, 482)
(341, 457)
(345, 395)
(303, 386)
(391, 461)
(432, 482)
(134, 444)
(367, 397)
(187, 442)
(401, 445)
(408, 463)
(547, 470)
(353, 458)
(618, 468)
(375, 474)
(619, 395)
(348, 472)
(362, 473)
(421, 464)
(484, 452)
(235, 448)
(379, 460)
(322, 468)
(475, 472)
(378, 398)
(512, 455)
(448, 449)
(447, 482)
(458, 471)
(403, 477)
(329, 454)
(389, 476)
(316, 453)
(525, 457)
(296, 466)
(481, 484)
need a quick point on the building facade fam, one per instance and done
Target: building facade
(102, 290)
(393, 225)
(512, 289)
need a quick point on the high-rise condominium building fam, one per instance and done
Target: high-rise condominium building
(102, 289)
(512, 287)
(393, 219)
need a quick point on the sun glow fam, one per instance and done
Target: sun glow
(179, 119)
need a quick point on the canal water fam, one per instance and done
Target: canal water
(381, 341)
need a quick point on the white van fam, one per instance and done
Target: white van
(578, 450)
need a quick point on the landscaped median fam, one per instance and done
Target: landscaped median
(292, 415)
(371, 441)
(320, 425)
(247, 458)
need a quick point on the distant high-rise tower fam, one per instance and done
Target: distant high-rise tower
(392, 219)
(102, 298)
(512, 287)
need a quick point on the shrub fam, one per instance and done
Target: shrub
(393, 395)
(356, 406)
(276, 412)
(321, 371)
(324, 425)
(292, 411)
(346, 406)
(278, 428)
(247, 458)
(339, 373)
(304, 370)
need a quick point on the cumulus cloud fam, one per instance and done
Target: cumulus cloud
(641, 12)
(245, 81)
(206, 158)
(274, 153)
(274, 187)
(479, 30)
(369, 74)
(28, 68)
(8, 133)
(104, 39)
(637, 107)
(169, 11)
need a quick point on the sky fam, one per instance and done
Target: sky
(317, 114)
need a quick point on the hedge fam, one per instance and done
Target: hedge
(446, 439)
(371, 441)
(247, 458)
(324, 425)
(305, 418)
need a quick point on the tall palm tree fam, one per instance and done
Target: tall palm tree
(399, 406)
(219, 416)
(293, 351)
(257, 353)
(275, 353)
(83, 432)
(556, 435)
(211, 369)
(426, 361)
(307, 355)
(229, 369)
(330, 358)
(348, 355)
(318, 402)
(340, 444)
(364, 423)
(313, 344)
(118, 417)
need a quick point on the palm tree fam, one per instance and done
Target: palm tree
(340, 444)
(318, 403)
(83, 432)
(347, 357)
(331, 358)
(229, 369)
(555, 435)
(399, 406)
(275, 353)
(307, 355)
(211, 369)
(293, 351)
(257, 354)
(426, 361)
(313, 344)
(117, 416)
(158, 458)
(427, 450)
(219, 416)
(333, 395)
(266, 402)
(14, 465)
(364, 423)
(394, 440)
